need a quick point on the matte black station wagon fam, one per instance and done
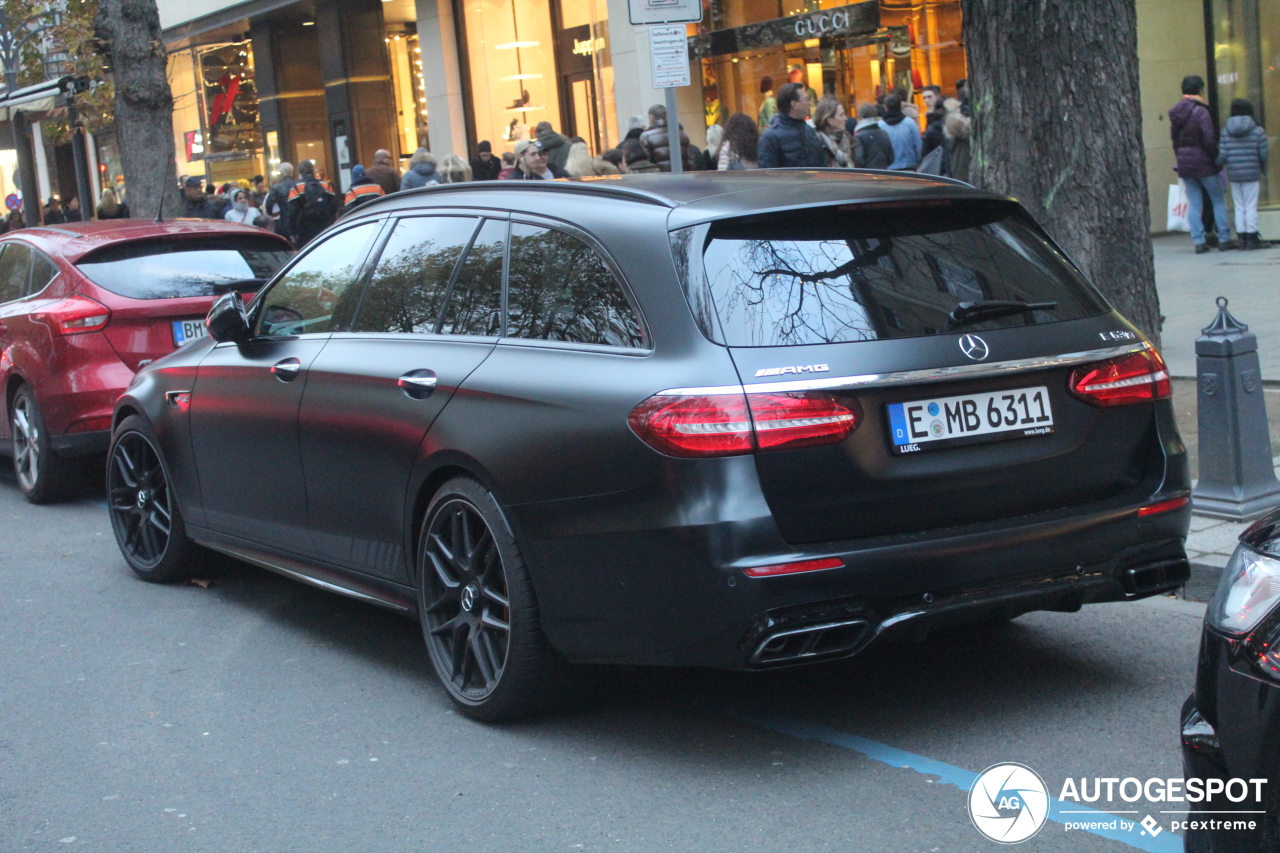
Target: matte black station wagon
(743, 419)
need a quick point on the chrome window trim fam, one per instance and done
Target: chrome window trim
(910, 377)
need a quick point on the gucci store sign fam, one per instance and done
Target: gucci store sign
(856, 19)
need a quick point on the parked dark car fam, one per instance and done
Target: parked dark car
(1231, 724)
(723, 419)
(83, 305)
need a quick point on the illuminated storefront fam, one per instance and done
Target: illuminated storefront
(854, 52)
(529, 62)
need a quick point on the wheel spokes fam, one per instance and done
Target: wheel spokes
(139, 499)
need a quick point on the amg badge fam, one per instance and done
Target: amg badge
(802, 368)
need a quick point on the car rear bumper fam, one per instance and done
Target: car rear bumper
(617, 584)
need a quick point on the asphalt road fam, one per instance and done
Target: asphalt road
(262, 715)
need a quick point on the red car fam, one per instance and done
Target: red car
(83, 306)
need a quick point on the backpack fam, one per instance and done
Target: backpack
(317, 203)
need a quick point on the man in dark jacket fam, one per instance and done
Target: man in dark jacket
(656, 141)
(484, 166)
(195, 204)
(312, 205)
(935, 115)
(556, 146)
(276, 207)
(1195, 145)
(872, 148)
(790, 141)
(363, 190)
(383, 172)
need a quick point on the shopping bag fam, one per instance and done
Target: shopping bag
(1177, 208)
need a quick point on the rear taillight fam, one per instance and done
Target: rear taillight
(733, 424)
(1139, 377)
(74, 315)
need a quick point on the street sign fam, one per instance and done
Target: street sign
(12, 201)
(644, 12)
(669, 56)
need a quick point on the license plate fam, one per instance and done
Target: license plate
(186, 331)
(969, 419)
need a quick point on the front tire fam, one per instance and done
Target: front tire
(478, 611)
(144, 511)
(43, 476)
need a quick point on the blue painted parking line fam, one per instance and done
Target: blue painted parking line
(1137, 838)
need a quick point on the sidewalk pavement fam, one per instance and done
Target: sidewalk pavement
(1189, 283)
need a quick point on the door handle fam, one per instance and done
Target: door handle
(418, 384)
(287, 369)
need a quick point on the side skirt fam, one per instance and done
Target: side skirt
(384, 593)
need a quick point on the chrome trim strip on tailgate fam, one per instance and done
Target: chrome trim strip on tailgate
(910, 377)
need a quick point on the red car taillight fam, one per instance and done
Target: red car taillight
(1139, 377)
(734, 424)
(74, 315)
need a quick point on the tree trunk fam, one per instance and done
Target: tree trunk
(1057, 124)
(143, 104)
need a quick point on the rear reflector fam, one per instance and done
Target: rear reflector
(74, 315)
(1164, 506)
(1139, 377)
(794, 568)
(734, 424)
(91, 424)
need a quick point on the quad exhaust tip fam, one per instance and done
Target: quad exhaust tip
(828, 639)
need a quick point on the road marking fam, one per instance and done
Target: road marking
(948, 774)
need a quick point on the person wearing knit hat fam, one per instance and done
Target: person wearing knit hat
(363, 190)
(484, 166)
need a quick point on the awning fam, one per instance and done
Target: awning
(39, 98)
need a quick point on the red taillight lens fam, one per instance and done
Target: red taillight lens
(1139, 377)
(1163, 506)
(800, 420)
(74, 315)
(794, 568)
(716, 425)
(722, 425)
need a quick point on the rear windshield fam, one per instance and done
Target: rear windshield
(869, 273)
(169, 269)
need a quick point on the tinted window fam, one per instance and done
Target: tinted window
(407, 289)
(159, 269)
(855, 276)
(560, 289)
(474, 304)
(310, 296)
(42, 272)
(15, 269)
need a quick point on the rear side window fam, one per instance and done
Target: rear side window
(474, 302)
(560, 289)
(407, 289)
(170, 269)
(15, 271)
(841, 275)
(42, 272)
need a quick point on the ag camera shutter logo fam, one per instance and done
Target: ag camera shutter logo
(1008, 803)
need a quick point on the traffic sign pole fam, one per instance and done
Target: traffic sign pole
(673, 133)
(669, 59)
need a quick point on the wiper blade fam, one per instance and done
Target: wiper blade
(971, 312)
(221, 287)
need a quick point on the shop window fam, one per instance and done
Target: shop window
(1246, 40)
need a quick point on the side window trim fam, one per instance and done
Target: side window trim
(457, 272)
(591, 241)
(367, 267)
(259, 298)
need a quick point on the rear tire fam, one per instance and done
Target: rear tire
(478, 611)
(43, 476)
(144, 511)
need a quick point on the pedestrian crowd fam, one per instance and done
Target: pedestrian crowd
(1207, 164)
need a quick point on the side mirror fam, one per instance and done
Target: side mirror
(227, 320)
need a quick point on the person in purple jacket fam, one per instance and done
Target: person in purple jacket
(1195, 144)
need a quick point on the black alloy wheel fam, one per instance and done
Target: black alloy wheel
(144, 514)
(477, 608)
(43, 476)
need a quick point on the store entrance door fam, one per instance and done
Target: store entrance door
(580, 110)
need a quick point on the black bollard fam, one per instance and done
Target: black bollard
(1236, 476)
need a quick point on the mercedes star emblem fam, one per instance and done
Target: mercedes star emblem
(974, 347)
(469, 596)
